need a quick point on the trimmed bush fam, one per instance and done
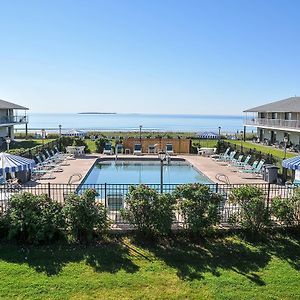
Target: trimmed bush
(34, 219)
(100, 143)
(287, 210)
(199, 206)
(253, 214)
(81, 142)
(151, 213)
(85, 217)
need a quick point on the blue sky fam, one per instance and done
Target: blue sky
(164, 56)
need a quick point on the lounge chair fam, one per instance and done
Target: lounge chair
(236, 161)
(256, 170)
(151, 149)
(227, 158)
(169, 149)
(108, 149)
(119, 149)
(137, 149)
(242, 163)
(216, 156)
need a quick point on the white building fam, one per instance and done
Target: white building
(10, 115)
(276, 120)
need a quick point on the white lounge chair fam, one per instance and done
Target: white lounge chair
(137, 149)
(108, 149)
(169, 149)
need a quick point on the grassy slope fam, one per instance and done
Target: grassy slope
(275, 152)
(219, 269)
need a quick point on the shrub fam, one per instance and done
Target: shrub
(150, 212)
(34, 219)
(253, 214)
(100, 143)
(85, 217)
(199, 206)
(66, 141)
(287, 210)
(81, 142)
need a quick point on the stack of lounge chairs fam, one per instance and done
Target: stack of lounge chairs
(49, 163)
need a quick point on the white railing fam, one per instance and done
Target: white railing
(278, 123)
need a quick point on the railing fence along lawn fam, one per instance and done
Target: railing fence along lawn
(113, 196)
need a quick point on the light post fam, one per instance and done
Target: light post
(8, 140)
(141, 134)
(219, 133)
(59, 129)
(285, 139)
(162, 157)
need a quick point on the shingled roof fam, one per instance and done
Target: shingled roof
(291, 104)
(9, 105)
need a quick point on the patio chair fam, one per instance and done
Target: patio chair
(119, 149)
(256, 170)
(218, 156)
(242, 164)
(169, 149)
(228, 157)
(137, 149)
(236, 160)
(107, 149)
(151, 149)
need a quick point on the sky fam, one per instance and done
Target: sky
(158, 56)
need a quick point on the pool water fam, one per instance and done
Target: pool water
(147, 172)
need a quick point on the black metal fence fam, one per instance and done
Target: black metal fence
(113, 196)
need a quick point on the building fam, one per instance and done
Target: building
(276, 120)
(10, 116)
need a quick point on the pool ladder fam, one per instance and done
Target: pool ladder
(223, 178)
(73, 178)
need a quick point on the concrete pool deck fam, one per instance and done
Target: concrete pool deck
(206, 165)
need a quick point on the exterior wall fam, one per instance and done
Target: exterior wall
(179, 145)
(294, 137)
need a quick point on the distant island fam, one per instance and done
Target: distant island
(97, 113)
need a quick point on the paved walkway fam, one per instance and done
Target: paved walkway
(211, 168)
(77, 166)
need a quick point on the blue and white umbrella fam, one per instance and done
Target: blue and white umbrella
(12, 163)
(208, 135)
(292, 163)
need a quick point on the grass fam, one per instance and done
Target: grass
(224, 268)
(28, 143)
(265, 149)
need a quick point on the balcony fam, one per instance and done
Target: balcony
(13, 120)
(293, 125)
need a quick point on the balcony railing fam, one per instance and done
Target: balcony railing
(276, 123)
(13, 119)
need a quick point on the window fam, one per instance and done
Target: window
(274, 115)
(287, 116)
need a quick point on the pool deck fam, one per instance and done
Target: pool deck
(206, 165)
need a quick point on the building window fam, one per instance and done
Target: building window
(274, 115)
(287, 116)
(262, 115)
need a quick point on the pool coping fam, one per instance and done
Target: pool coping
(143, 158)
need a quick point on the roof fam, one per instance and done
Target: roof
(291, 104)
(9, 105)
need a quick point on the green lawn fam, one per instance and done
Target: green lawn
(265, 149)
(227, 268)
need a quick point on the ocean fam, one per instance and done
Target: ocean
(131, 122)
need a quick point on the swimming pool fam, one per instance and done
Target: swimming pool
(143, 171)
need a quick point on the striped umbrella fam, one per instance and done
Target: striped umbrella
(208, 135)
(292, 163)
(12, 163)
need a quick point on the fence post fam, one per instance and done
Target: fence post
(268, 196)
(49, 190)
(217, 187)
(105, 200)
